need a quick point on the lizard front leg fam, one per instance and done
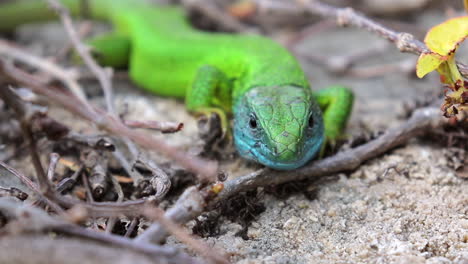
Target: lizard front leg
(209, 93)
(336, 103)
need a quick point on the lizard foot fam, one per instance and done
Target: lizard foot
(214, 130)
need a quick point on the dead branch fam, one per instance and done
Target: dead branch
(13, 192)
(103, 75)
(65, 76)
(164, 127)
(98, 142)
(25, 114)
(159, 181)
(24, 219)
(405, 42)
(189, 205)
(38, 248)
(183, 236)
(101, 209)
(192, 203)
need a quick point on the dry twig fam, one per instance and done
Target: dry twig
(103, 75)
(29, 219)
(25, 115)
(183, 236)
(164, 127)
(405, 42)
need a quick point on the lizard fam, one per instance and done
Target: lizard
(277, 120)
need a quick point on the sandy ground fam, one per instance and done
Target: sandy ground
(408, 206)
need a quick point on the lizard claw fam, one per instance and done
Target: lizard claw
(214, 120)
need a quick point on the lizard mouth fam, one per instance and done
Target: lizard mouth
(280, 165)
(264, 157)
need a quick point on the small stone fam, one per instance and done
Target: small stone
(253, 233)
(291, 223)
(332, 212)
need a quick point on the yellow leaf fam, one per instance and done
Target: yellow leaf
(444, 38)
(428, 62)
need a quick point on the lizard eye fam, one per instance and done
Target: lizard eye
(253, 122)
(311, 121)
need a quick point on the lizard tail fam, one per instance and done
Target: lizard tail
(15, 13)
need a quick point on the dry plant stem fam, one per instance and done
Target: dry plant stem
(191, 203)
(13, 192)
(24, 114)
(206, 170)
(133, 224)
(164, 127)
(83, 30)
(37, 248)
(135, 175)
(25, 180)
(405, 42)
(68, 183)
(89, 191)
(54, 158)
(102, 209)
(103, 76)
(159, 178)
(66, 77)
(183, 236)
(39, 221)
(98, 142)
(120, 196)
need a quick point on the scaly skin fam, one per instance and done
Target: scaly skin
(277, 120)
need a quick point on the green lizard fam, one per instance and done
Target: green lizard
(278, 121)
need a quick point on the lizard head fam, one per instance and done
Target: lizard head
(280, 127)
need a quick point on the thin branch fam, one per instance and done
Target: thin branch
(183, 236)
(101, 209)
(189, 205)
(13, 192)
(25, 115)
(39, 221)
(65, 76)
(103, 75)
(164, 127)
(405, 42)
(54, 158)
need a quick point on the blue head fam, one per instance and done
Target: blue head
(280, 127)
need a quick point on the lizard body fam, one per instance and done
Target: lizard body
(278, 121)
